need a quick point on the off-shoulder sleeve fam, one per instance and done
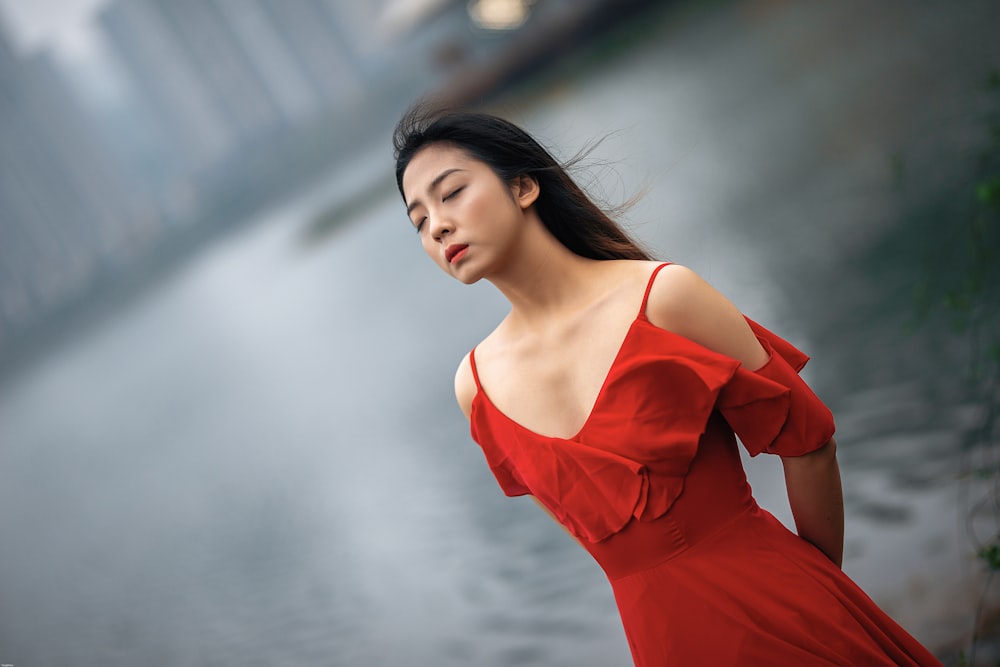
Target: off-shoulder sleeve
(772, 409)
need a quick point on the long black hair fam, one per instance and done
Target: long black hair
(563, 207)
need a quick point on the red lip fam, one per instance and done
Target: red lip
(453, 250)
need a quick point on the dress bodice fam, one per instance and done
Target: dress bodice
(630, 459)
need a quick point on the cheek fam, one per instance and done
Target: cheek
(430, 247)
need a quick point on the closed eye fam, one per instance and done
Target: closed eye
(453, 193)
(419, 224)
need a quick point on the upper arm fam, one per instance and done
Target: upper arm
(465, 386)
(682, 302)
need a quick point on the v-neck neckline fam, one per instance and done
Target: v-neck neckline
(481, 393)
(640, 317)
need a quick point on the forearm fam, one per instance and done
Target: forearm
(817, 500)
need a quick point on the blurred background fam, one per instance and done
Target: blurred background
(227, 428)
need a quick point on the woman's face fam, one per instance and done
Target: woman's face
(465, 215)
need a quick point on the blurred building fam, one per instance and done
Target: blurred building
(64, 214)
(165, 81)
(218, 75)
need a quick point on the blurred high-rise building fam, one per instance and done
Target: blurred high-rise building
(216, 76)
(271, 55)
(167, 83)
(317, 38)
(64, 215)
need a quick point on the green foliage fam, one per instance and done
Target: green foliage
(989, 192)
(990, 554)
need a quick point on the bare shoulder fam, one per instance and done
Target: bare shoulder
(681, 301)
(465, 385)
(674, 290)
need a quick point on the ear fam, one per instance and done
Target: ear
(525, 190)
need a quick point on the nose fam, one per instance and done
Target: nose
(441, 226)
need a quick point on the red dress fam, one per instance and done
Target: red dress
(653, 487)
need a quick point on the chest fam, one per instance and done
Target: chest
(550, 385)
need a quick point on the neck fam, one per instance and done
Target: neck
(543, 278)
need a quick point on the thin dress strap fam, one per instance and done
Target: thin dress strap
(475, 373)
(649, 288)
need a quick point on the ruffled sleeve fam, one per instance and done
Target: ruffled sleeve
(772, 409)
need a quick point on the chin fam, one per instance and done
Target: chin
(466, 276)
(469, 279)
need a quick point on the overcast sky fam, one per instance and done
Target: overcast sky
(61, 24)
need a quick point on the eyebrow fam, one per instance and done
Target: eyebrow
(436, 182)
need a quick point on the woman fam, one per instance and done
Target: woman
(611, 392)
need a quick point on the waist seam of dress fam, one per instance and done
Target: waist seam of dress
(688, 546)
